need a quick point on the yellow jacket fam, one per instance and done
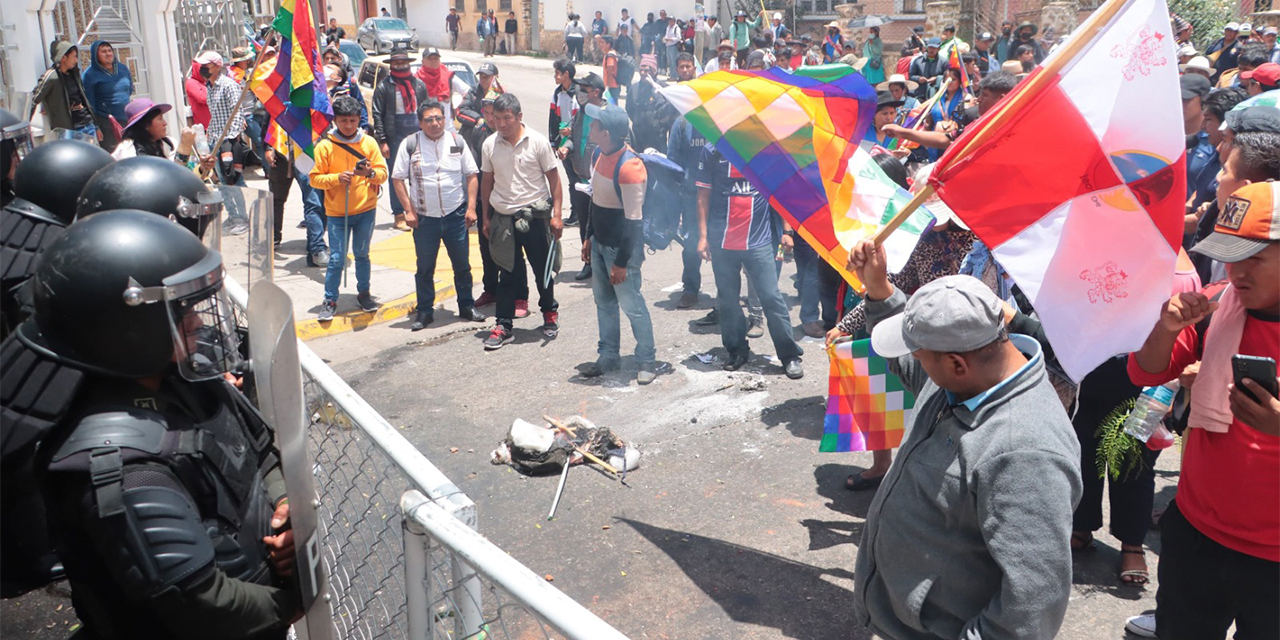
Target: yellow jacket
(331, 161)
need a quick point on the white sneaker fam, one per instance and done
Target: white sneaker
(1143, 626)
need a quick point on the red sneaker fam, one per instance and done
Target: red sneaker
(550, 323)
(522, 308)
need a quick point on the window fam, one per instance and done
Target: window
(369, 74)
(482, 6)
(460, 5)
(806, 6)
(504, 5)
(820, 6)
(910, 6)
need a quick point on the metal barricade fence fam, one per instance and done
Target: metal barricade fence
(403, 556)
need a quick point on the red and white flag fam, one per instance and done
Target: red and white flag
(1076, 181)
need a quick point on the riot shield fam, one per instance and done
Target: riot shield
(273, 347)
(250, 256)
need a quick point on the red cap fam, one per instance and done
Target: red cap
(1267, 73)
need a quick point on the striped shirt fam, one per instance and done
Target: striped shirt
(738, 217)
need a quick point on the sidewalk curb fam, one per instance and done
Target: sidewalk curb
(312, 329)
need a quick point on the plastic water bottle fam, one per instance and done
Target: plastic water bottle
(202, 141)
(1150, 408)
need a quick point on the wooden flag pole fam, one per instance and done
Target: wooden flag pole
(1035, 84)
(239, 101)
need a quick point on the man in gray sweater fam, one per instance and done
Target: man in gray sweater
(969, 534)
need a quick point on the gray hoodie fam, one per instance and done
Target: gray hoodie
(969, 534)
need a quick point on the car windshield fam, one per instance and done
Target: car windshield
(354, 52)
(390, 24)
(463, 72)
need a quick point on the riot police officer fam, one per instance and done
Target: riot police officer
(162, 483)
(154, 184)
(45, 186)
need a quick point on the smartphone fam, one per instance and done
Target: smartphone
(1260, 370)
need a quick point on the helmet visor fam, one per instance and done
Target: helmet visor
(204, 333)
(20, 135)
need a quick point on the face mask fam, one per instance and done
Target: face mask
(582, 97)
(205, 73)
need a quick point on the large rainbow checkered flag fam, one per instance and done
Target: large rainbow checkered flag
(294, 93)
(867, 407)
(795, 135)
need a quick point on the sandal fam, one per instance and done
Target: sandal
(1083, 541)
(857, 482)
(1135, 577)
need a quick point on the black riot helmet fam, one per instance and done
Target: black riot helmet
(51, 176)
(129, 293)
(153, 184)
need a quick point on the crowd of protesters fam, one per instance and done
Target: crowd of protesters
(1030, 490)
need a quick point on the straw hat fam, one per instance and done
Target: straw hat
(898, 78)
(833, 24)
(1198, 64)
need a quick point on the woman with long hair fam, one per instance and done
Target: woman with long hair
(146, 133)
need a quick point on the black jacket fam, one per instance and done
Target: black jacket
(384, 109)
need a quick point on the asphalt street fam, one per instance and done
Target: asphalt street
(734, 526)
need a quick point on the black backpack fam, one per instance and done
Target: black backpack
(626, 70)
(662, 207)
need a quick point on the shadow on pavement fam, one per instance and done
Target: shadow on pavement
(803, 417)
(754, 587)
(829, 480)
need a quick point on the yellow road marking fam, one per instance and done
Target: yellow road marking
(396, 252)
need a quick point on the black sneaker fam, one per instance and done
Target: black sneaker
(366, 301)
(327, 309)
(421, 320)
(599, 368)
(736, 361)
(709, 320)
(497, 338)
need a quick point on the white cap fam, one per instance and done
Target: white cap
(777, 16)
(209, 57)
(1187, 50)
(1231, 26)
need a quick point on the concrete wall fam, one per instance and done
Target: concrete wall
(427, 16)
(35, 32)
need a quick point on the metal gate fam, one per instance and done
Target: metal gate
(220, 25)
(116, 21)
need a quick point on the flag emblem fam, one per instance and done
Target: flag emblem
(1108, 282)
(1145, 49)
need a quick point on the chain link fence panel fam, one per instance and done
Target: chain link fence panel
(404, 559)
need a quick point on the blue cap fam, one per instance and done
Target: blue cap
(933, 42)
(612, 117)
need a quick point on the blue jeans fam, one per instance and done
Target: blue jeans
(671, 58)
(312, 211)
(452, 231)
(359, 226)
(609, 297)
(763, 275)
(692, 276)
